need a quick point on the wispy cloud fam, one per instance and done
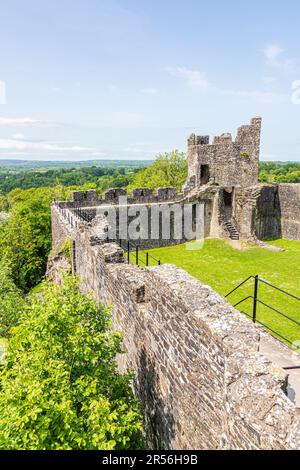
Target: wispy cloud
(195, 79)
(262, 96)
(124, 119)
(274, 54)
(2, 92)
(268, 80)
(27, 145)
(139, 150)
(112, 87)
(28, 122)
(198, 81)
(57, 90)
(150, 91)
(19, 137)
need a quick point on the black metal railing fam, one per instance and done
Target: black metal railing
(131, 248)
(257, 301)
(82, 214)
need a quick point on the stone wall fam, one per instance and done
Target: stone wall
(230, 163)
(257, 212)
(90, 198)
(60, 227)
(198, 373)
(160, 221)
(289, 197)
(268, 211)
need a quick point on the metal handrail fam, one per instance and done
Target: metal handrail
(275, 332)
(279, 289)
(82, 214)
(155, 259)
(244, 300)
(137, 250)
(240, 285)
(278, 311)
(257, 301)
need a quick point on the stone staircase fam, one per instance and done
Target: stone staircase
(233, 233)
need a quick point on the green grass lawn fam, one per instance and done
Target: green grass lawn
(222, 267)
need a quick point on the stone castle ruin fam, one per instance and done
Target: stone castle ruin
(200, 370)
(226, 162)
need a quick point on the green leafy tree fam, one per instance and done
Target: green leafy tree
(168, 170)
(280, 172)
(60, 388)
(11, 302)
(25, 238)
(3, 204)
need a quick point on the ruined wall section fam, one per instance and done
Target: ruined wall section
(289, 199)
(248, 139)
(90, 198)
(162, 220)
(267, 220)
(268, 211)
(257, 212)
(231, 163)
(202, 383)
(61, 228)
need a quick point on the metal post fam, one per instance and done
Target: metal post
(128, 252)
(147, 259)
(137, 255)
(256, 280)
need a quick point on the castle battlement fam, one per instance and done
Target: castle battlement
(90, 198)
(225, 162)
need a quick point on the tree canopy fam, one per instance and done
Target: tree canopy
(60, 388)
(168, 170)
(11, 301)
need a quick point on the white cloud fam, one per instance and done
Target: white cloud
(137, 150)
(262, 96)
(273, 53)
(98, 154)
(195, 79)
(19, 137)
(2, 92)
(112, 87)
(125, 118)
(268, 80)
(25, 145)
(28, 122)
(150, 91)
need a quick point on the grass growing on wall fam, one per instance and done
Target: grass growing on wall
(222, 267)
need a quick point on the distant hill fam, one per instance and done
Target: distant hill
(39, 164)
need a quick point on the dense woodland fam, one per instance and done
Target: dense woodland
(278, 172)
(100, 177)
(125, 175)
(46, 338)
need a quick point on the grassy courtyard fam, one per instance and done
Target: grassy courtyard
(222, 267)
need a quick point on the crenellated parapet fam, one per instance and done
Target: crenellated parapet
(225, 162)
(119, 196)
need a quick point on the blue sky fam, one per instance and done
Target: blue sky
(94, 79)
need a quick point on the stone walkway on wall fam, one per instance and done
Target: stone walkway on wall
(284, 357)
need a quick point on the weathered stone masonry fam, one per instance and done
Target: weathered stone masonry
(199, 375)
(226, 162)
(198, 369)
